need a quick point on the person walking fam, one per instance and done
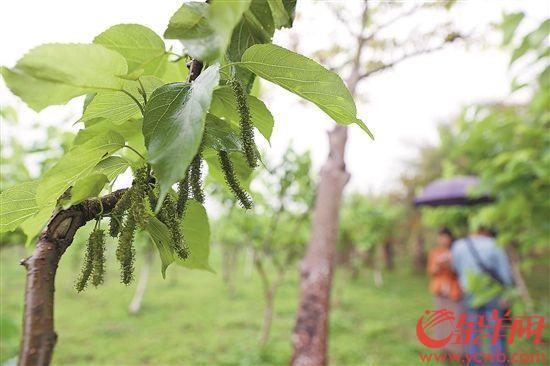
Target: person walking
(480, 254)
(445, 287)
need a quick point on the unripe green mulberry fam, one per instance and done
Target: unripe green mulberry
(183, 195)
(125, 252)
(169, 217)
(247, 131)
(227, 166)
(98, 257)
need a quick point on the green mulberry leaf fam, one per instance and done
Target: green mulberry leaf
(141, 47)
(196, 231)
(224, 105)
(75, 165)
(306, 78)
(56, 73)
(17, 204)
(173, 126)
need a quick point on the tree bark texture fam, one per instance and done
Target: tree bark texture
(38, 336)
(311, 329)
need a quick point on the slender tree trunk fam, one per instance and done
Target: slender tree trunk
(377, 274)
(269, 297)
(378, 279)
(419, 253)
(229, 266)
(248, 265)
(226, 270)
(518, 278)
(355, 265)
(268, 317)
(38, 336)
(135, 305)
(388, 254)
(369, 257)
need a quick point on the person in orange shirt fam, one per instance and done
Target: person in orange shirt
(445, 287)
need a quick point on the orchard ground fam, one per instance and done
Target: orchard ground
(190, 318)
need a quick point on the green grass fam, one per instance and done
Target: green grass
(191, 319)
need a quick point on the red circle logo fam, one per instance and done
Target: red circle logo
(429, 320)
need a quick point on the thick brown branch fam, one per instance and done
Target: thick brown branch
(38, 338)
(195, 68)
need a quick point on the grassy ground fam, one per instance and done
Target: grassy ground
(191, 319)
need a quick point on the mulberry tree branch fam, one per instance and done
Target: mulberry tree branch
(38, 337)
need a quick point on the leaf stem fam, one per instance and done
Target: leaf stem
(134, 150)
(135, 100)
(236, 63)
(143, 92)
(179, 57)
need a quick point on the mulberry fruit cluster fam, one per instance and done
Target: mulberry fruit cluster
(247, 131)
(94, 261)
(130, 213)
(231, 179)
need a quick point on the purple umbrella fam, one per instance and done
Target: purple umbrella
(452, 191)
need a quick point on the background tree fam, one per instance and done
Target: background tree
(277, 232)
(365, 24)
(369, 223)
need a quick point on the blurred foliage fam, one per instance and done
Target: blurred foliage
(506, 145)
(368, 220)
(25, 159)
(277, 226)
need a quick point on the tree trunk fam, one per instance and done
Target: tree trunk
(135, 305)
(268, 317)
(226, 272)
(419, 254)
(248, 265)
(229, 264)
(38, 335)
(310, 332)
(377, 276)
(369, 257)
(388, 254)
(518, 278)
(269, 296)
